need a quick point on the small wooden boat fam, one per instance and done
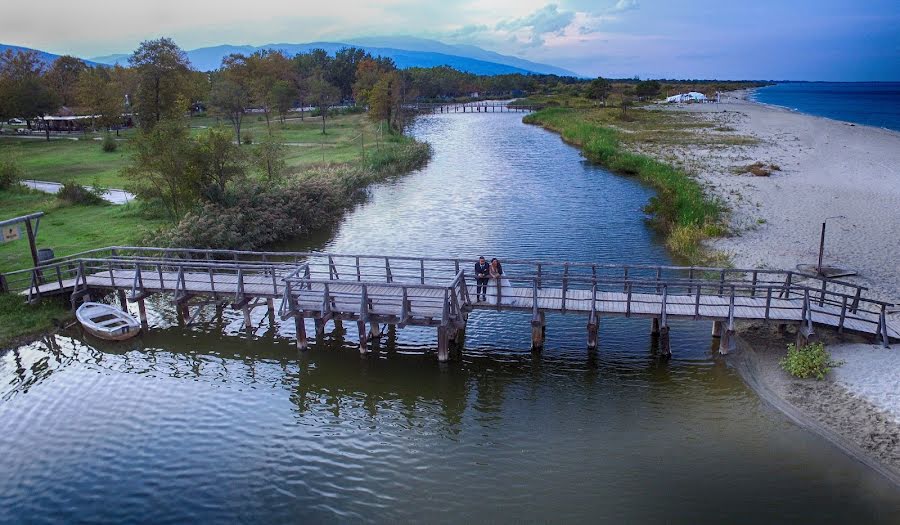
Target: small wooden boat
(107, 322)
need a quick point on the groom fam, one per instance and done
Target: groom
(482, 274)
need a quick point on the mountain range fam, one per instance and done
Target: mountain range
(404, 51)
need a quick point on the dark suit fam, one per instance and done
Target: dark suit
(482, 274)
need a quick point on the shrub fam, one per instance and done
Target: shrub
(247, 138)
(75, 193)
(811, 360)
(109, 144)
(11, 171)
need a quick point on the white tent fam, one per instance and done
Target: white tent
(691, 96)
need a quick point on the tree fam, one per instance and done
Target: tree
(324, 94)
(23, 89)
(599, 89)
(283, 94)
(386, 99)
(62, 78)
(270, 158)
(217, 161)
(341, 70)
(265, 68)
(163, 81)
(230, 97)
(101, 96)
(368, 72)
(647, 88)
(162, 166)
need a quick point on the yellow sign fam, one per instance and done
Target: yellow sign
(10, 233)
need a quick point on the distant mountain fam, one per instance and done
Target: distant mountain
(468, 51)
(45, 57)
(436, 54)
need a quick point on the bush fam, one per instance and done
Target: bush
(109, 144)
(247, 138)
(811, 360)
(11, 171)
(75, 193)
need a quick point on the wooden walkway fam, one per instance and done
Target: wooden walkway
(439, 292)
(471, 107)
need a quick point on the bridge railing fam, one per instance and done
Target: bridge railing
(403, 302)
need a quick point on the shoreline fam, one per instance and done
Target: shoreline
(828, 168)
(826, 408)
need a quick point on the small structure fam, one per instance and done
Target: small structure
(691, 96)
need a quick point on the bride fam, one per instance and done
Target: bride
(506, 290)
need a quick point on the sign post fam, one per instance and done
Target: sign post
(11, 230)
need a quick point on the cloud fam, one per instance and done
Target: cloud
(624, 5)
(546, 20)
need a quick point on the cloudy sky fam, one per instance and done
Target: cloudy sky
(762, 39)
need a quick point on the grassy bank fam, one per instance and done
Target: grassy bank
(19, 320)
(254, 214)
(68, 228)
(681, 208)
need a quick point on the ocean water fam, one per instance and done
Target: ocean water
(869, 103)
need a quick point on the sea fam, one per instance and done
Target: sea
(869, 103)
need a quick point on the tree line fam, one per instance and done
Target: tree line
(159, 83)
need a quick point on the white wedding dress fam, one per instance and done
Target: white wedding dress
(507, 298)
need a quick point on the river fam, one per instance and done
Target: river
(209, 424)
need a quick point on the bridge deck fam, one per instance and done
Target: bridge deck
(441, 292)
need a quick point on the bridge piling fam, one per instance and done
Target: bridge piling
(654, 327)
(538, 332)
(142, 313)
(717, 329)
(320, 331)
(443, 333)
(363, 337)
(300, 328)
(593, 330)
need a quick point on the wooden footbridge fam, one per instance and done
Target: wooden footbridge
(471, 107)
(374, 290)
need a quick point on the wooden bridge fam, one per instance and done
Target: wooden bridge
(374, 290)
(471, 107)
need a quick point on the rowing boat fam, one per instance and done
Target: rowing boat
(107, 322)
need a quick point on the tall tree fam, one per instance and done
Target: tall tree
(324, 94)
(265, 69)
(162, 166)
(62, 77)
(163, 76)
(102, 96)
(283, 94)
(218, 161)
(24, 89)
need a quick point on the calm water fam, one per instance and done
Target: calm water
(211, 424)
(870, 103)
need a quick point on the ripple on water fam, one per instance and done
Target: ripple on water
(210, 424)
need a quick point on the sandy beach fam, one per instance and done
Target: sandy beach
(827, 168)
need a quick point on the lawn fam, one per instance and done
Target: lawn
(64, 159)
(80, 157)
(66, 228)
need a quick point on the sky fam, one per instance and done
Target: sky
(747, 39)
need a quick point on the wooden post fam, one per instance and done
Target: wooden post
(123, 301)
(300, 328)
(664, 346)
(248, 322)
(538, 332)
(270, 305)
(142, 312)
(363, 337)
(593, 330)
(727, 342)
(443, 343)
(320, 331)
(717, 329)
(31, 243)
(374, 330)
(654, 326)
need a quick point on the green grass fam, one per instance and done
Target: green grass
(681, 209)
(83, 160)
(18, 319)
(59, 160)
(66, 228)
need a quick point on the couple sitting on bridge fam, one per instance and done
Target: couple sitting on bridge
(490, 282)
